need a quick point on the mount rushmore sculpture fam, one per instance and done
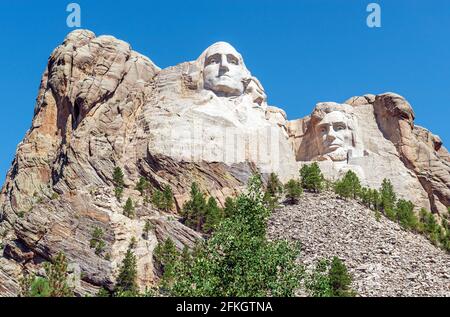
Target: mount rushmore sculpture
(102, 105)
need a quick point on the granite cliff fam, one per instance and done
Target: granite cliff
(101, 105)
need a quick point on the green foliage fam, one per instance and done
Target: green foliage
(237, 260)
(201, 215)
(54, 284)
(405, 215)
(317, 282)
(148, 226)
(349, 186)
(142, 185)
(388, 199)
(96, 241)
(157, 199)
(340, 279)
(119, 182)
(293, 191)
(57, 275)
(330, 279)
(311, 177)
(167, 198)
(166, 256)
(364, 195)
(127, 280)
(128, 209)
(375, 199)
(40, 287)
(194, 210)
(229, 208)
(274, 186)
(103, 293)
(214, 215)
(377, 215)
(163, 200)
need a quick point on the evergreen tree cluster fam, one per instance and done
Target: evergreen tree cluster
(163, 200)
(204, 215)
(237, 259)
(54, 284)
(384, 201)
(330, 279)
(312, 178)
(97, 241)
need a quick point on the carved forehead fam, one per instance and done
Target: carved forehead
(334, 117)
(222, 48)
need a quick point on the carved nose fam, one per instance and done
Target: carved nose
(224, 64)
(331, 134)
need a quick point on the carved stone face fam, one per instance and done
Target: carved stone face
(224, 71)
(334, 137)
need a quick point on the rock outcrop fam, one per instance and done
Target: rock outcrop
(101, 105)
(375, 136)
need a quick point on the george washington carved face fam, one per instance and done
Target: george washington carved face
(224, 72)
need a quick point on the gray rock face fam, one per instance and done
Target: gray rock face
(101, 105)
(384, 259)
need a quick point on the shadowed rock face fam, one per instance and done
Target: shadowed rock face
(101, 104)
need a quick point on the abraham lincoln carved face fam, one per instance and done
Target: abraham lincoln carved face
(333, 131)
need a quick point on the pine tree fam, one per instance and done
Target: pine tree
(388, 199)
(229, 207)
(127, 279)
(349, 186)
(148, 226)
(142, 185)
(166, 256)
(157, 199)
(97, 242)
(194, 210)
(340, 279)
(57, 276)
(167, 198)
(375, 199)
(405, 214)
(274, 186)
(128, 209)
(293, 191)
(365, 196)
(213, 216)
(311, 177)
(119, 183)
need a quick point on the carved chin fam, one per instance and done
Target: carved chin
(337, 155)
(225, 86)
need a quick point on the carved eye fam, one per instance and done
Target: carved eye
(213, 61)
(340, 128)
(233, 60)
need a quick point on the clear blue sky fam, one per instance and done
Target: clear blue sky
(303, 51)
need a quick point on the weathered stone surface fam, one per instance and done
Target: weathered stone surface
(101, 105)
